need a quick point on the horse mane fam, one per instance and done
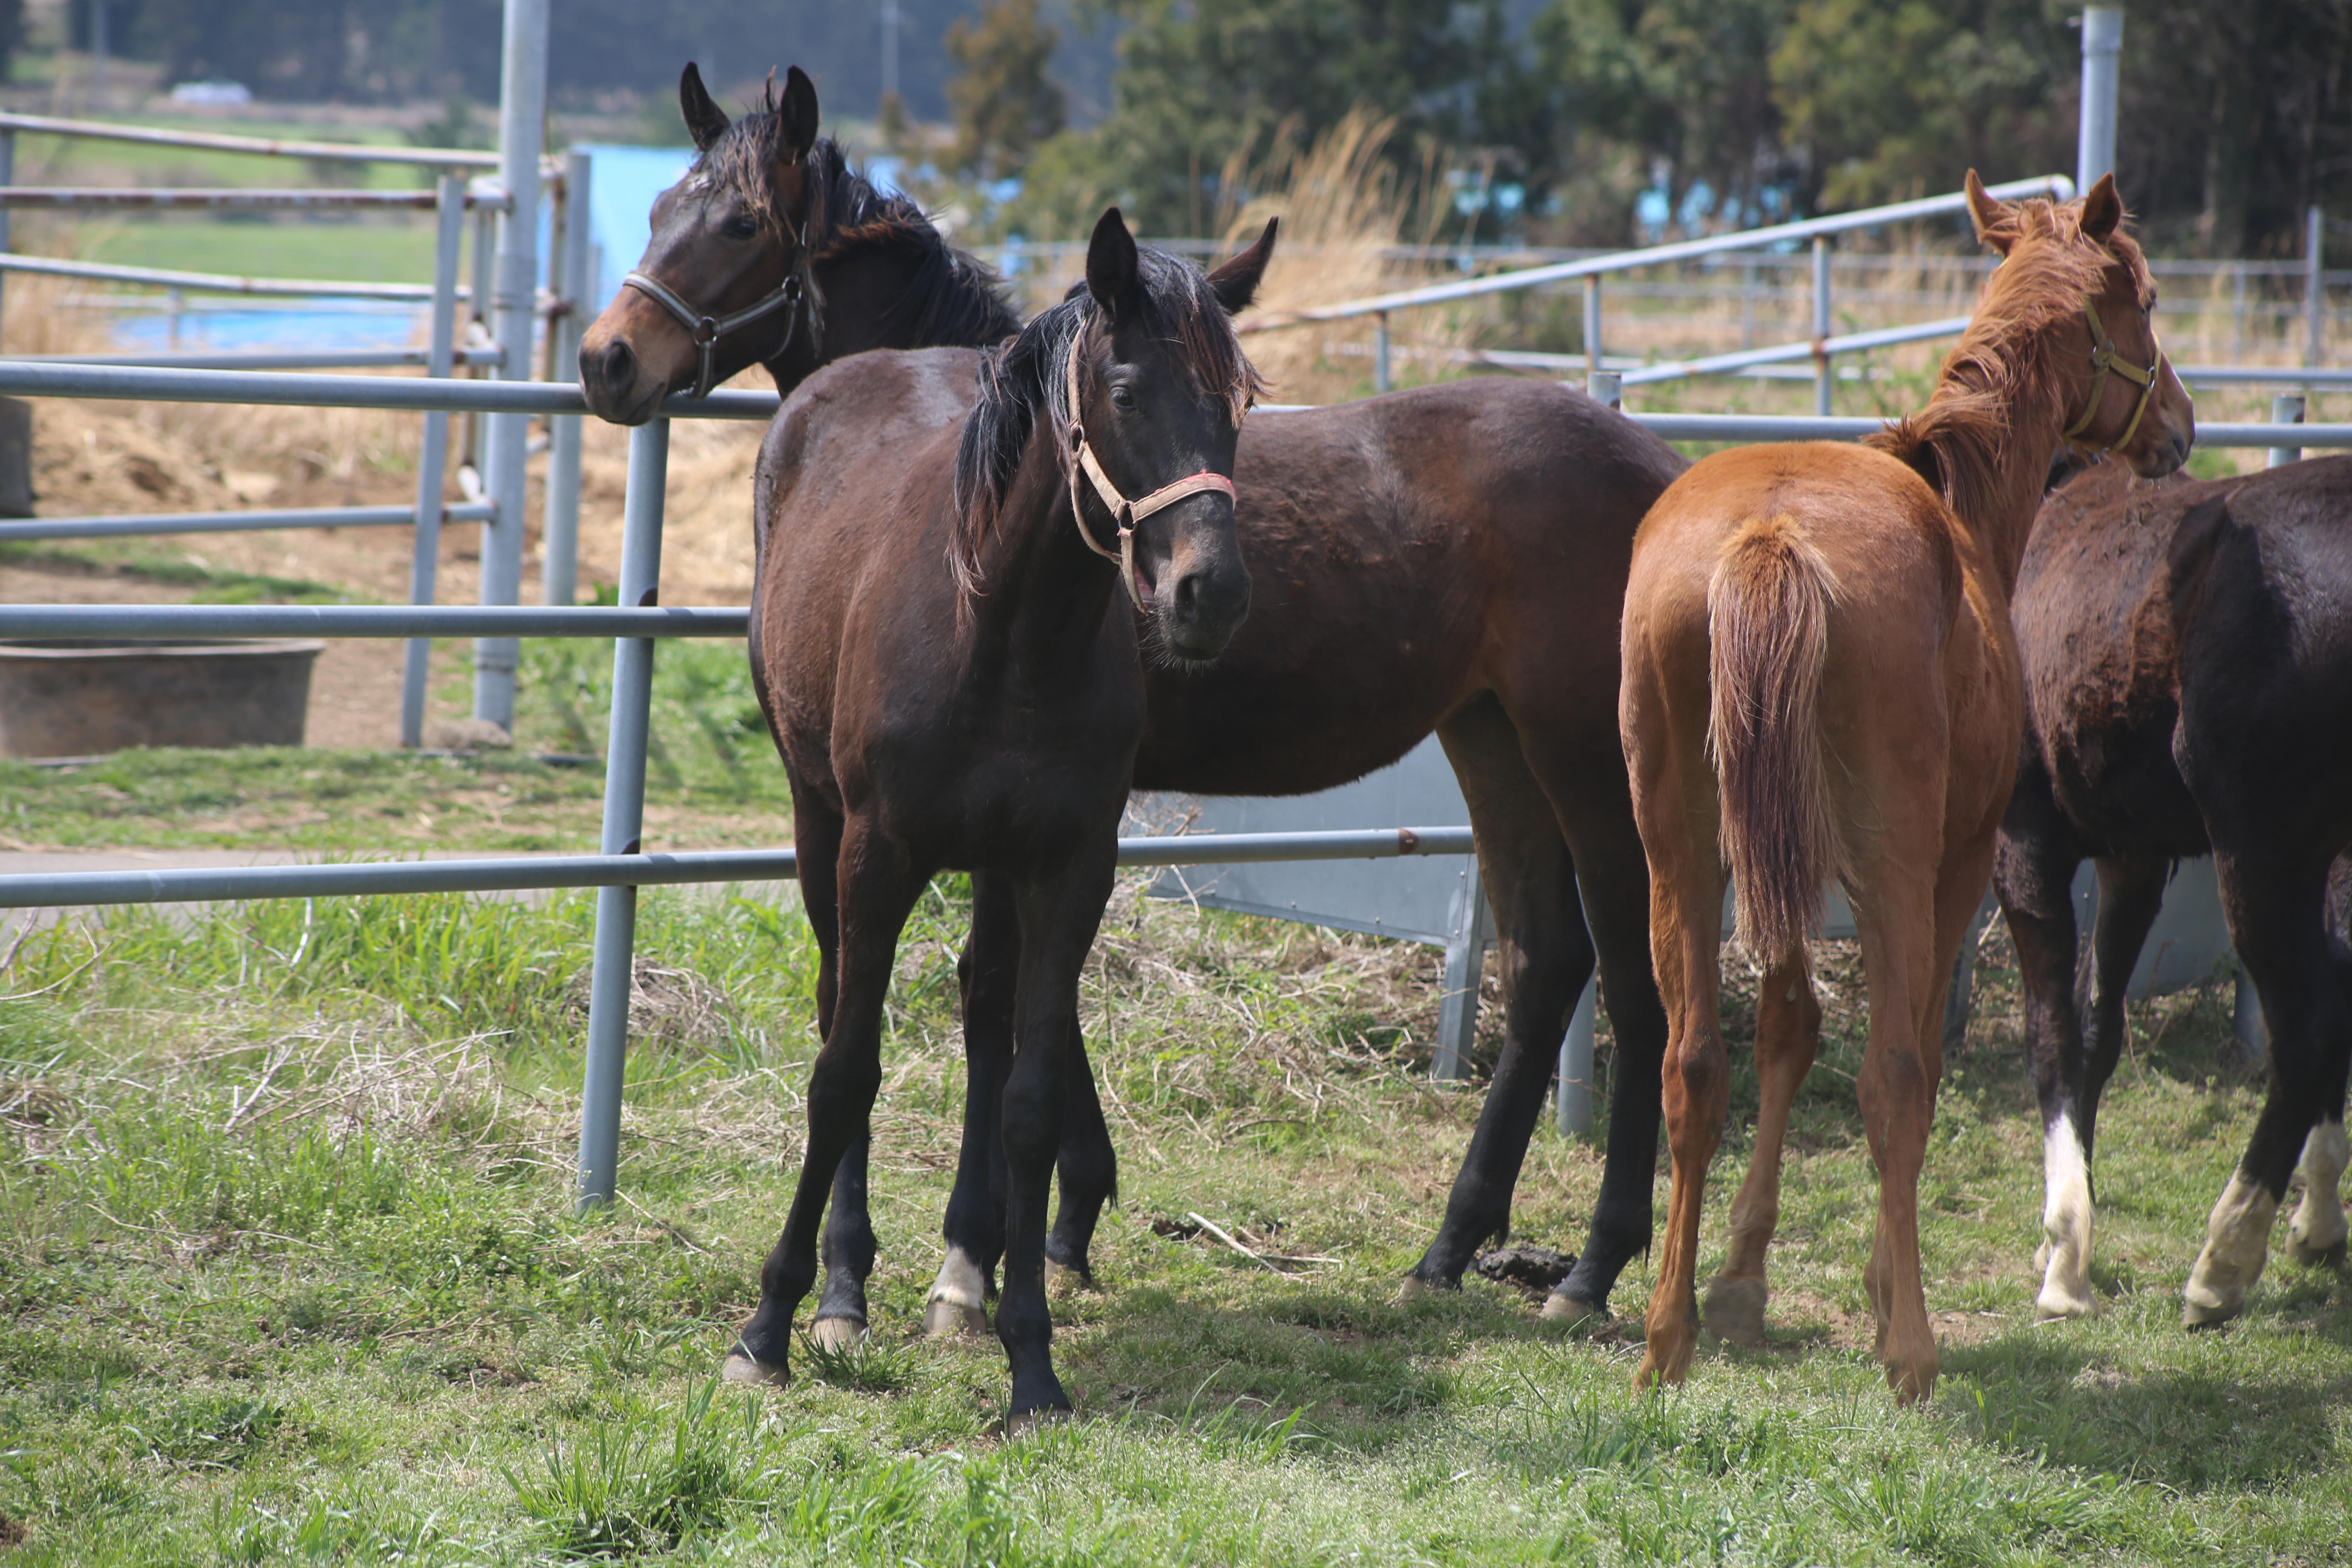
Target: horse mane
(1957, 441)
(1023, 378)
(953, 297)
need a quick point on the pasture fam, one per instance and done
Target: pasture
(291, 1275)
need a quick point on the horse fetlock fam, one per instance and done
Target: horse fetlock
(1735, 1310)
(2237, 1243)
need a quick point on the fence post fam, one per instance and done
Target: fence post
(2095, 137)
(560, 540)
(1606, 387)
(1823, 369)
(1591, 323)
(7, 177)
(2315, 290)
(1381, 380)
(433, 455)
(486, 219)
(1575, 1109)
(2286, 408)
(610, 979)
(1466, 954)
(523, 105)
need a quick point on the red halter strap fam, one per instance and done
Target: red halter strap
(1125, 513)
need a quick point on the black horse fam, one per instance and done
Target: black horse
(2188, 657)
(954, 682)
(1449, 559)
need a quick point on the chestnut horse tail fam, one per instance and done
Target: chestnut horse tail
(1767, 624)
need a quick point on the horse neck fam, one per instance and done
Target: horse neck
(1994, 475)
(1044, 595)
(866, 305)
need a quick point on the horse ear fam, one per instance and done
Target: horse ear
(704, 120)
(2103, 209)
(1995, 219)
(1111, 265)
(1236, 282)
(796, 116)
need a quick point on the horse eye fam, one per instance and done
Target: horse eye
(742, 225)
(1121, 397)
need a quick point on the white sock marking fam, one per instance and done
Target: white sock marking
(2066, 1223)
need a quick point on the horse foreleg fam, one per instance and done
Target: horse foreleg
(1087, 1168)
(1059, 914)
(874, 903)
(973, 1229)
(1788, 1034)
(2317, 1234)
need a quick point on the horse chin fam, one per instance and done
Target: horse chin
(1170, 646)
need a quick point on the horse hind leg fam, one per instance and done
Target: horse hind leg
(847, 1253)
(1788, 1035)
(973, 1227)
(1086, 1171)
(2317, 1234)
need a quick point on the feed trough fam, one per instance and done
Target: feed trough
(76, 697)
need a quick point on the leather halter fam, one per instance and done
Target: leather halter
(2105, 360)
(1125, 513)
(707, 330)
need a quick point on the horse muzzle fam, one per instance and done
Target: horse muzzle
(614, 381)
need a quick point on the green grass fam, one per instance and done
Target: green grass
(288, 1273)
(375, 251)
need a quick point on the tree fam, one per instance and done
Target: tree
(1003, 101)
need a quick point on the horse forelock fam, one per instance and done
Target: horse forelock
(1026, 376)
(2004, 358)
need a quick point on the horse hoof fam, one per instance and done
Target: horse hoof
(837, 1333)
(1068, 1277)
(1735, 1310)
(1029, 1423)
(2058, 1301)
(2315, 1255)
(1410, 1288)
(951, 1320)
(2203, 1307)
(1559, 1307)
(743, 1369)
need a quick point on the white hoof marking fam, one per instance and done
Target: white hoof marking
(2318, 1232)
(957, 1304)
(2066, 1224)
(2237, 1244)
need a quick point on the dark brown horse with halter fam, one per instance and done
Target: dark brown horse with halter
(955, 682)
(1819, 680)
(2187, 652)
(1451, 558)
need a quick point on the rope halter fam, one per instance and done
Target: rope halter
(1125, 513)
(2106, 361)
(707, 330)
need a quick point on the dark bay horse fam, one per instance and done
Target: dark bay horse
(2187, 652)
(1450, 558)
(1821, 680)
(773, 231)
(955, 681)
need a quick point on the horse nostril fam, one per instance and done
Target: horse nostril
(1188, 593)
(617, 366)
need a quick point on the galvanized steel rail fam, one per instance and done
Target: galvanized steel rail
(326, 152)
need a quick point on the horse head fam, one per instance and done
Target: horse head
(723, 283)
(2121, 395)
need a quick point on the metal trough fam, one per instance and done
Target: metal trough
(78, 697)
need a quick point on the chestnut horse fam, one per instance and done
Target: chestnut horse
(1450, 558)
(1819, 680)
(955, 681)
(2188, 653)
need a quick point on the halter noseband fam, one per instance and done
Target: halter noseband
(707, 330)
(2105, 360)
(1125, 513)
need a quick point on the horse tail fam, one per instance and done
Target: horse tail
(1767, 624)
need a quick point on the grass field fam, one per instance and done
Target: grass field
(289, 1275)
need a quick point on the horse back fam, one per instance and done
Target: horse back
(853, 502)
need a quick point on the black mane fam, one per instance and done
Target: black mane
(954, 299)
(1024, 379)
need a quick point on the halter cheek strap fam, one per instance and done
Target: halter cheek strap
(707, 330)
(1125, 513)
(2107, 361)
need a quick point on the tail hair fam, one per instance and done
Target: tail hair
(1768, 623)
